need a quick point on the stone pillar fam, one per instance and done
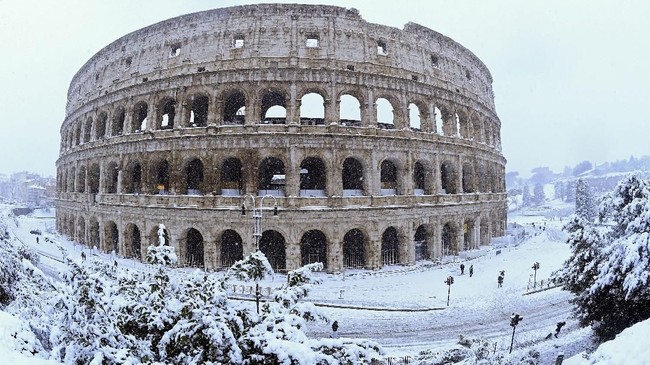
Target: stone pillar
(335, 256)
(407, 245)
(373, 253)
(215, 110)
(253, 110)
(437, 179)
(331, 108)
(293, 256)
(292, 174)
(372, 176)
(152, 113)
(437, 239)
(460, 236)
(334, 177)
(459, 174)
(405, 177)
(293, 109)
(210, 254)
(369, 111)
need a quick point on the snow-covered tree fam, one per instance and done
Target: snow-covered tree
(559, 190)
(162, 254)
(526, 199)
(538, 194)
(585, 201)
(612, 282)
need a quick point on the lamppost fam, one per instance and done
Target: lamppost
(515, 318)
(257, 215)
(535, 267)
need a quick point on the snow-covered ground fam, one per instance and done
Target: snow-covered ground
(404, 308)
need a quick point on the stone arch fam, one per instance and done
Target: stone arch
(353, 177)
(313, 177)
(273, 105)
(77, 134)
(81, 179)
(449, 238)
(132, 242)
(477, 128)
(81, 230)
(193, 242)
(272, 245)
(139, 118)
(388, 178)
(313, 248)
(484, 232)
(271, 179)
(415, 119)
(423, 235)
(232, 248)
(93, 178)
(166, 113)
(448, 178)
(160, 171)
(100, 126)
(469, 241)
(354, 249)
(234, 107)
(194, 177)
(350, 110)
(231, 177)
(110, 180)
(133, 178)
(198, 106)
(385, 113)
(111, 237)
(93, 232)
(421, 175)
(469, 179)
(87, 130)
(72, 176)
(312, 108)
(481, 173)
(448, 119)
(390, 246)
(463, 124)
(117, 125)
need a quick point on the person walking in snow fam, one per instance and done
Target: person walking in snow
(559, 327)
(36, 239)
(462, 269)
(500, 281)
(471, 270)
(335, 327)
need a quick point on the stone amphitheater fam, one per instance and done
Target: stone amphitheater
(300, 130)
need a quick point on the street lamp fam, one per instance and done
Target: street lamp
(257, 215)
(535, 267)
(449, 281)
(515, 318)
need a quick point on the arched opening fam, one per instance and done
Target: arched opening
(118, 122)
(385, 114)
(312, 177)
(313, 248)
(81, 231)
(414, 117)
(421, 244)
(352, 177)
(448, 178)
(390, 247)
(139, 121)
(468, 178)
(199, 111)
(133, 179)
(87, 130)
(312, 109)
(231, 177)
(161, 175)
(167, 114)
(388, 178)
(93, 179)
(194, 177)
(273, 108)
(111, 178)
(194, 248)
(81, 180)
(485, 232)
(354, 250)
(438, 121)
(271, 177)
(71, 179)
(463, 125)
(477, 129)
(482, 178)
(272, 245)
(232, 248)
(93, 232)
(132, 241)
(111, 237)
(100, 126)
(419, 176)
(234, 108)
(449, 239)
(350, 111)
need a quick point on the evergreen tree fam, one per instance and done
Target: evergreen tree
(559, 190)
(570, 191)
(527, 199)
(585, 201)
(539, 196)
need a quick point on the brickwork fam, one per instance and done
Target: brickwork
(177, 124)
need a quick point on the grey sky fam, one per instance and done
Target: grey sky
(571, 78)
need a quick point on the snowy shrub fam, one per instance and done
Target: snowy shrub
(162, 254)
(478, 351)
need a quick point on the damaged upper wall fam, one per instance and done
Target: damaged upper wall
(281, 36)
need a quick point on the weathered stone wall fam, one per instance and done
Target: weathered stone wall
(136, 150)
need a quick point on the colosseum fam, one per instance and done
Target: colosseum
(303, 131)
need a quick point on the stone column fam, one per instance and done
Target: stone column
(369, 111)
(215, 110)
(293, 109)
(292, 174)
(335, 256)
(293, 256)
(373, 253)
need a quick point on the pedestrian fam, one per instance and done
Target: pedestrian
(335, 327)
(83, 256)
(462, 269)
(559, 327)
(502, 273)
(471, 270)
(500, 281)
(36, 239)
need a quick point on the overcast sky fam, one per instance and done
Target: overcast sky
(571, 78)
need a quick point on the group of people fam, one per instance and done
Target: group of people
(471, 270)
